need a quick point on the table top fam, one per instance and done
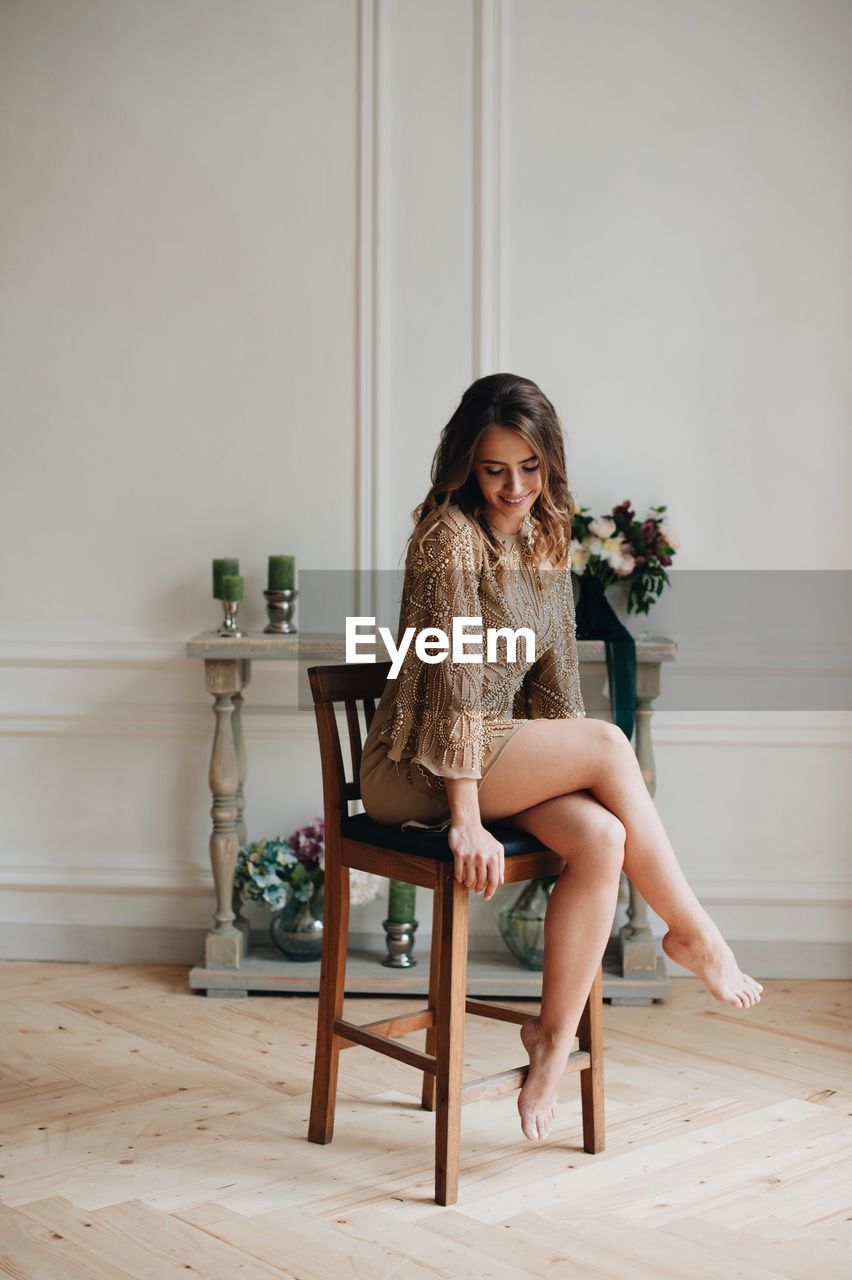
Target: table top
(328, 647)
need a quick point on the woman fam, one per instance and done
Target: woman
(456, 743)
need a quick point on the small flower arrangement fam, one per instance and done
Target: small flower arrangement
(619, 548)
(278, 870)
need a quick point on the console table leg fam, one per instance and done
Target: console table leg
(638, 948)
(240, 922)
(224, 943)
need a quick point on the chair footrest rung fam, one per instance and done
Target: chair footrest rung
(400, 1025)
(402, 1052)
(485, 1010)
(507, 1081)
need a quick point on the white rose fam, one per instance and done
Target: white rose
(617, 552)
(671, 538)
(611, 550)
(603, 527)
(593, 545)
(579, 557)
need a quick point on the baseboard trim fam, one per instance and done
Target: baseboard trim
(128, 944)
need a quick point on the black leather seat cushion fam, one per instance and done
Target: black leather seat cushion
(432, 844)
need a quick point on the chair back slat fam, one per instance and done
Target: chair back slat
(348, 683)
(354, 735)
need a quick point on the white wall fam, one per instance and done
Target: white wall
(252, 255)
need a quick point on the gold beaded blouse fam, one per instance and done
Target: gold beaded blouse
(443, 714)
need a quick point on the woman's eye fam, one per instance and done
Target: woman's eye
(488, 472)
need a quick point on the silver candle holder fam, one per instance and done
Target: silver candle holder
(229, 626)
(279, 608)
(400, 943)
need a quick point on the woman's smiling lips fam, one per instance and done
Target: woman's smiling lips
(515, 502)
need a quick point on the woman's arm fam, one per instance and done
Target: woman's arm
(478, 855)
(437, 719)
(551, 687)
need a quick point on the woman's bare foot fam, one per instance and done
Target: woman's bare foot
(537, 1099)
(710, 958)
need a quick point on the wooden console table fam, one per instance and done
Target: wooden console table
(633, 972)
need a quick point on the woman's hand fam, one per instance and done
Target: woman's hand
(478, 857)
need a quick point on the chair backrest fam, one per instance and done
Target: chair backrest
(348, 683)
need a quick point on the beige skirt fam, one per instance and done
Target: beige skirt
(404, 793)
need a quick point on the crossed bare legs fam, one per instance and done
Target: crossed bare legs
(577, 786)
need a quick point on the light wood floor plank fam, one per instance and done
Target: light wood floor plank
(149, 1132)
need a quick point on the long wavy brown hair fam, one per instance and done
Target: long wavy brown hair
(502, 400)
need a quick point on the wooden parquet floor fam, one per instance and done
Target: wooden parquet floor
(149, 1132)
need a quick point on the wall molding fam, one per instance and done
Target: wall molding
(147, 878)
(673, 729)
(772, 893)
(270, 722)
(488, 188)
(192, 881)
(372, 309)
(141, 720)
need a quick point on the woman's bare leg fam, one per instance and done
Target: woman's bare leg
(576, 930)
(550, 758)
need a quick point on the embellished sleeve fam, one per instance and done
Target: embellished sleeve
(552, 685)
(437, 718)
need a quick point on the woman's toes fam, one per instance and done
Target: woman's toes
(528, 1125)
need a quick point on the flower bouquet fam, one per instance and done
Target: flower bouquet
(619, 548)
(288, 875)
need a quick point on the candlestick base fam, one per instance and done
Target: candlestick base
(279, 608)
(400, 943)
(229, 626)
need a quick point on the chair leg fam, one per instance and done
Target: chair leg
(429, 1081)
(450, 1010)
(330, 1004)
(590, 1036)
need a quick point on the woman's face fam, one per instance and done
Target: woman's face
(509, 474)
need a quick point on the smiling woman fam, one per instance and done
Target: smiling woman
(454, 740)
(510, 484)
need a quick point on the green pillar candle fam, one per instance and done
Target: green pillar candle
(401, 902)
(232, 587)
(220, 568)
(282, 573)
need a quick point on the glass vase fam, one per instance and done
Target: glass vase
(521, 922)
(297, 928)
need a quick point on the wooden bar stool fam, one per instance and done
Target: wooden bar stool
(422, 858)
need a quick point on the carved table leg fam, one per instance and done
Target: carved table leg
(224, 944)
(638, 949)
(240, 922)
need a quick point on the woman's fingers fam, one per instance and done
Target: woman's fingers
(469, 873)
(481, 872)
(493, 879)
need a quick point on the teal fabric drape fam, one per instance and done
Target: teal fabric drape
(597, 621)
